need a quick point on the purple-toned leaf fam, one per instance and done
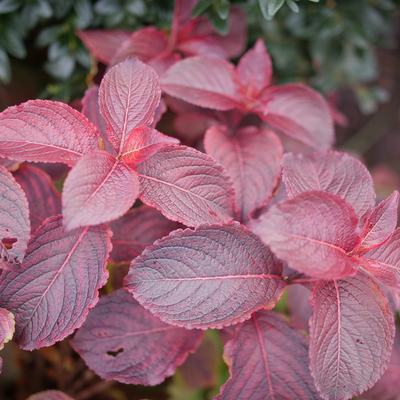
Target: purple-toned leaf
(158, 113)
(7, 329)
(9, 165)
(254, 70)
(227, 332)
(332, 172)
(380, 225)
(186, 186)
(144, 142)
(103, 43)
(200, 45)
(210, 277)
(190, 127)
(121, 340)
(99, 189)
(243, 154)
(50, 395)
(43, 130)
(43, 198)
(14, 219)
(351, 336)
(267, 359)
(299, 112)
(387, 388)
(128, 96)
(203, 81)
(50, 295)
(91, 110)
(136, 230)
(298, 305)
(313, 233)
(162, 63)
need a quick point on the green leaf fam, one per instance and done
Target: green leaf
(136, 7)
(12, 43)
(292, 5)
(263, 7)
(106, 7)
(314, 1)
(5, 69)
(222, 8)
(48, 35)
(84, 14)
(61, 68)
(7, 6)
(43, 9)
(220, 25)
(200, 7)
(274, 6)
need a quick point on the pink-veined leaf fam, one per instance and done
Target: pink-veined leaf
(199, 45)
(351, 336)
(313, 233)
(7, 329)
(136, 230)
(128, 96)
(332, 172)
(43, 198)
(50, 295)
(121, 340)
(9, 165)
(145, 44)
(254, 70)
(103, 43)
(203, 81)
(186, 186)
(212, 276)
(14, 219)
(299, 112)
(267, 359)
(380, 225)
(243, 154)
(50, 395)
(48, 131)
(99, 189)
(144, 142)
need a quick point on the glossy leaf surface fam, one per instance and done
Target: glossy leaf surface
(50, 295)
(313, 232)
(186, 186)
(48, 131)
(267, 359)
(351, 336)
(121, 340)
(207, 278)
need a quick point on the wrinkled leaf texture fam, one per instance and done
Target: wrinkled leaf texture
(148, 350)
(50, 395)
(212, 276)
(351, 336)
(50, 295)
(267, 359)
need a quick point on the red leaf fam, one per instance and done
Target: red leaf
(201, 45)
(313, 232)
(387, 388)
(203, 81)
(136, 230)
(43, 130)
(103, 43)
(43, 198)
(121, 340)
(128, 96)
(50, 295)
(301, 113)
(50, 395)
(254, 70)
(186, 186)
(298, 305)
(7, 329)
(91, 110)
(380, 225)
(267, 359)
(254, 175)
(10, 165)
(351, 336)
(332, 172)
(144, 142)
(99, 189)
(207, 278)
(14, 217)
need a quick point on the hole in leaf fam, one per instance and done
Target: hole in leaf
(8, 243)
(115, 353)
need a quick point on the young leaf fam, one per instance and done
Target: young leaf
(186, 186)
(301, 113)
(332, 172)
(144, 142)
(207, 278)
(136, 230)
(7, 329)
(380, 225)
(103, 43)
(121, 340)
(203, 81)
(50, 395)
(267, 359)
(99, 189)
(48, 131)
(351, 336)
(254, 175)
(254, 70)
(313, 232)
(14, 219)
(43, 198)
(128, 96)
(51, 294)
